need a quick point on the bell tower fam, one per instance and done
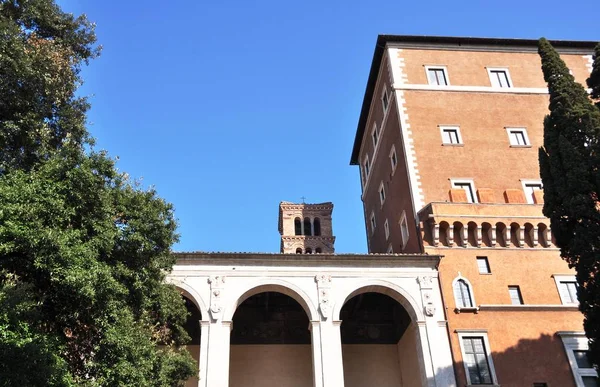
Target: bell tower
(306, 228)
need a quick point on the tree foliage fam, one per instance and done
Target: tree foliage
(593, 81)
(83, 250)
(569, 167)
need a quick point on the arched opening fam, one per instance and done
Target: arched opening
(308, 250)
(529, 235)
(307, 227)
(270, 343)
(318, 250)
(192, 328)
(515, 237)
(501, 235)
(299, 250)
(472, 234)
(486, 234)
(458, 234)
(444, 233)
(379, 341)
(317, 224)
(543, 235)
(298, 226)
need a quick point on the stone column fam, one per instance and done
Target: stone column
(202, 361)
(217, 364)
(328, 366)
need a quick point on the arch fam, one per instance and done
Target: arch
(486, 237)
(273, 285)
(318, 250)
(515, 231)
(307, 227)
(299, 250)
(456, 282)
(501, 231)
(297, 226)
(317, 224)
(543, 235)
(384, 287)
(458, 234)
(444, 226)
(472, 234)
(529, 230)
(190, 293)
(308, 250)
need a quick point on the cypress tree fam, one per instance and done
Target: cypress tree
(569, 167)
(594, 80)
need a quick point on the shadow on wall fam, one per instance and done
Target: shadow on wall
(531, 362)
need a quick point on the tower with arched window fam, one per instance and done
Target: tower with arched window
(306, 228)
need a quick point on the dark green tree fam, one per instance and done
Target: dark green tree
(84, 251)
(593, 81)
(569, 167)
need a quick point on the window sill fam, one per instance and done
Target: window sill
(459, 145)
(520, 146)
(509, 307)
(466, 310)
(478, 385)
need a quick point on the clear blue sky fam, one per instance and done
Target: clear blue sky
(229, 107)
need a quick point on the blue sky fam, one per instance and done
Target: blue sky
(229, 107)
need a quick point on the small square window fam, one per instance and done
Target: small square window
(381, 193)
(468, 186)
(529, 188)
(375, 136)
(373, 224)
(483, 265)
(393, 158)
(450, 135)
(568, 292)
(517, 137)
(404, 229)
(385, 100)
(386, 228)
(366, 167)
(499, 77)
(437, 75)
(515, 295)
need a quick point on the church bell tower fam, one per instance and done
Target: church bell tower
(306, 228)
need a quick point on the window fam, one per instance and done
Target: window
(576, 346)
(529, 187)
(437, 75)
(381, 193)
(499, 77)
(375, 135)
(308, 250)
(317, 226)
(298, 226)
(307, 227)
(318, 250)
(298, 250)
(476, 360)
(517, 137)
(462, 294)
(483, 265)
(468, 186)
(372, 222)
(385, 100)
(515, 295)
(393, 158)
(450, 135)
(366, 168)
(386, 227)
(567, 289)
(404, 229)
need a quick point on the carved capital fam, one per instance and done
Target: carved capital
(426, 282)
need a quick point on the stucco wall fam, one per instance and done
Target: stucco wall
(270, 366)
(371, 365)
(408, 358)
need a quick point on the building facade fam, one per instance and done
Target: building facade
(447, 146)
(314, 319)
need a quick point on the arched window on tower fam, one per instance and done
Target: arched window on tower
(307, 227)
(298, 250)
(308, 250)
(318, 250)
(298, 226)
(317, 224)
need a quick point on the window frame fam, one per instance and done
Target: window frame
(523, 131)
(472, 185)
(576, 341)
(375, 136)
(366, 167)
(404, 229)
(481, 333)
(471, 294)
(491, 70)
(437, 67)
(372, 222)
(394, 164)
(385, 100)
(516, 288)
(444, 128)
(487, 264)
(381, 191)
(564, 278)
(530, 182)
(386, 229)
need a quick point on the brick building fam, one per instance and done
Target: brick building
(447, 146)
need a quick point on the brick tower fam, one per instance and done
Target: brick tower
(306, 228)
